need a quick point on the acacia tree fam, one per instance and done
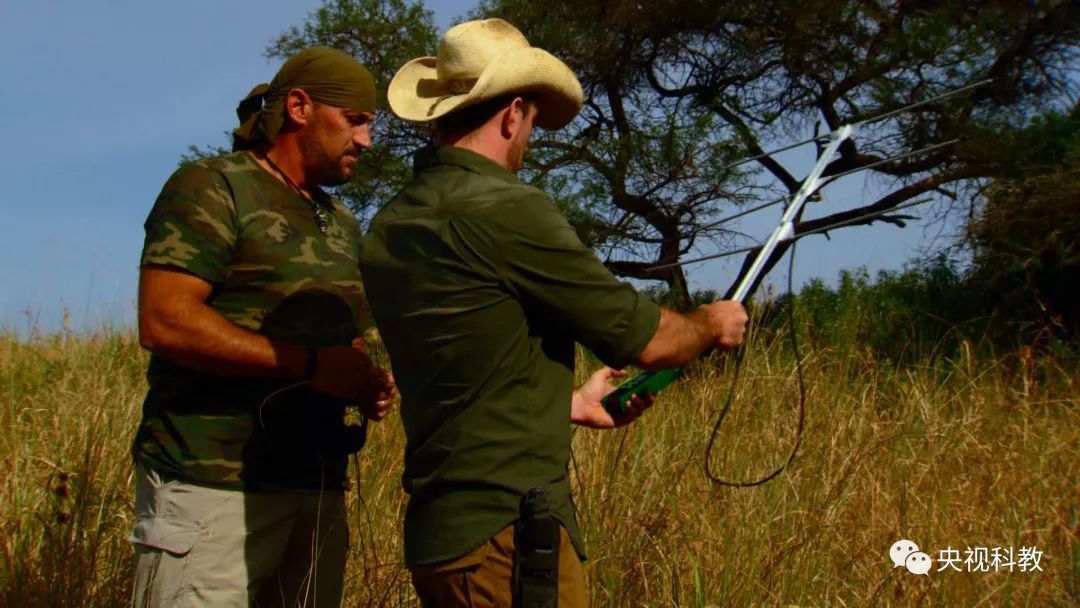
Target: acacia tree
(675, 88)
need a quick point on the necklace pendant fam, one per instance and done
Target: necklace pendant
(321, 221)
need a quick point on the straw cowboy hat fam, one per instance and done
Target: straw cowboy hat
(481, 60)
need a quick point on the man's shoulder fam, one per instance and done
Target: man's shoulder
(512, 203)
(209, 170)
(233, 164)
(473, 194)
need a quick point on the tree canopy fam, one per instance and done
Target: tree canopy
(678, 90)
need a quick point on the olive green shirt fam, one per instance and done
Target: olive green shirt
(231, 223)
(480, 288)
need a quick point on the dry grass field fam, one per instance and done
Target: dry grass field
(976, 451)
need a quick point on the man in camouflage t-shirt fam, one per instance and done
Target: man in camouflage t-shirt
(251, 303)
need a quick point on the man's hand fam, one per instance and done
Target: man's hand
(587, 408)
(378, 396)
(348, 373)
(680, 337)
(377, 407)
(727, 318)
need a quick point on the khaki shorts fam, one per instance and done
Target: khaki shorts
(199, 546)
(482, 578)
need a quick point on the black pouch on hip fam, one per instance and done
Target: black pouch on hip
(536, 553)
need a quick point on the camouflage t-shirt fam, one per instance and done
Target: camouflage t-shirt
(231, 223)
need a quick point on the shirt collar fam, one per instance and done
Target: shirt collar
(432, 156)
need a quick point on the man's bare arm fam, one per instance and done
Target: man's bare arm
(681, 337)
(176, 322)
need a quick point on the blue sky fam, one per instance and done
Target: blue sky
(102, 98)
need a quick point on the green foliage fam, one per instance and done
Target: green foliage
(905, 316)
(928, 312)
(1026, 239)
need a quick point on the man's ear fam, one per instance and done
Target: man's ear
(512, 117)
(298, 106)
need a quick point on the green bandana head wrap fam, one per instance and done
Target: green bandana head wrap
(327, 75)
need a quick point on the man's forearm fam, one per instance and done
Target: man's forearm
(200, 338)
(679, 338)
(683, 336)
(176, 322)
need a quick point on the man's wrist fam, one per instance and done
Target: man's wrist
(707, 333)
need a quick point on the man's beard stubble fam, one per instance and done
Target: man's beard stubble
(515, 155)
(327, 170)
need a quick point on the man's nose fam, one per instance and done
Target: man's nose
(362, 136)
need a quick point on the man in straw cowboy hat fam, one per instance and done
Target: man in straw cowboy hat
(251, 304)
(480, 288)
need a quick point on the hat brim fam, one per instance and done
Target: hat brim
(416, 94)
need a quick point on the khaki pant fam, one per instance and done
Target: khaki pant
(482, 578)
(197, 546)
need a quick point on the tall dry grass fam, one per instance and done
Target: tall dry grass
(968, 452)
